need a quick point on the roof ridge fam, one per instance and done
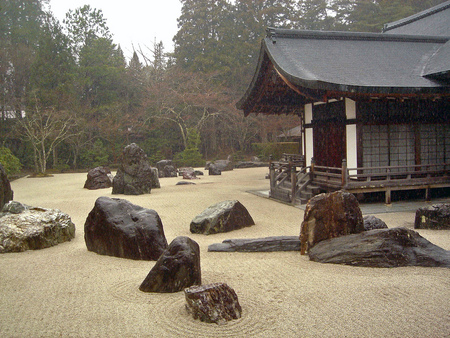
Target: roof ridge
(274, 33)
(417, 16)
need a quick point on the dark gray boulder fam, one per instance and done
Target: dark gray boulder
(135, 176)
(176, 269)
(328, 216)
(221, 217)
(435, 217)
(214, 170)
(266, 244)
(381, 248)
(6, 194)
(116, 227)
(213, 303)
(99, 178)
(371, 222)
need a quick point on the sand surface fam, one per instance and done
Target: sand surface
(71, 292)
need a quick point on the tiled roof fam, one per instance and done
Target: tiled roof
(361, 62)
(434, 21)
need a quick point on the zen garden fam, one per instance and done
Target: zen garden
(284, 171)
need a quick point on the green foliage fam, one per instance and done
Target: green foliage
(10, 162)
(191, 156)
(264, 150)
(95, 156)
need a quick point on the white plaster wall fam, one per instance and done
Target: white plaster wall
(308, 135)
(351, 137)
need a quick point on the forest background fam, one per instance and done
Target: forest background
(69, 99)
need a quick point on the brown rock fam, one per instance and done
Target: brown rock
(213, 303)
(176, 269)
(330, 215)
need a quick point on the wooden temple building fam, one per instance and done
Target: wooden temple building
(374, 107)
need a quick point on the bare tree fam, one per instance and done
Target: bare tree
(45, 130)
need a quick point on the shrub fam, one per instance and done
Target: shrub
(264, 150)
(11, 163)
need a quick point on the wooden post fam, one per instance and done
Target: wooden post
(311, 171)
(427, 194)
(293, 183)
(344, 173)
(388, 196)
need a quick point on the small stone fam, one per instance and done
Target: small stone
(213, 303)
(99, 178)
(371, 222)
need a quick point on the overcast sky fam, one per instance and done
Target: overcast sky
(132, 22)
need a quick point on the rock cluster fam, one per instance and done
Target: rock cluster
(213, 303)
(176, 269)
(6, 194)
(433, 217)
(267, 244)
(99, 178)
(135, 176)
(116, 227)
(30, 228)
(166, 168)
(328, 216)
(221, 217)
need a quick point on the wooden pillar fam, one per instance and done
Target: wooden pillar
(344, 173)
(427, 194)
(388, 196)
(271, 173)
(293, 183)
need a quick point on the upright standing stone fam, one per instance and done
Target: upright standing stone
(135, 176)
(330, 215)
(6, 194)
(176, 269)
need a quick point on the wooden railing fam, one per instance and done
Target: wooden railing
(286, 181)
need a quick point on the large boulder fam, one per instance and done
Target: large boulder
(135, 176)
(213, 303)
(116, 227)
(6, 194)
(30, 228)
(382, 248)
(99, 178)
(221, 217)
(433, 217)
(176, 269)
(328, 216)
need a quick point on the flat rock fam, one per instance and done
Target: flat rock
(435, 217)
(328, 216)
(176, 269)
(33, 228)
(381, 248)
(221, 217)
(116, 227)
(267, 244)
(213, 303)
